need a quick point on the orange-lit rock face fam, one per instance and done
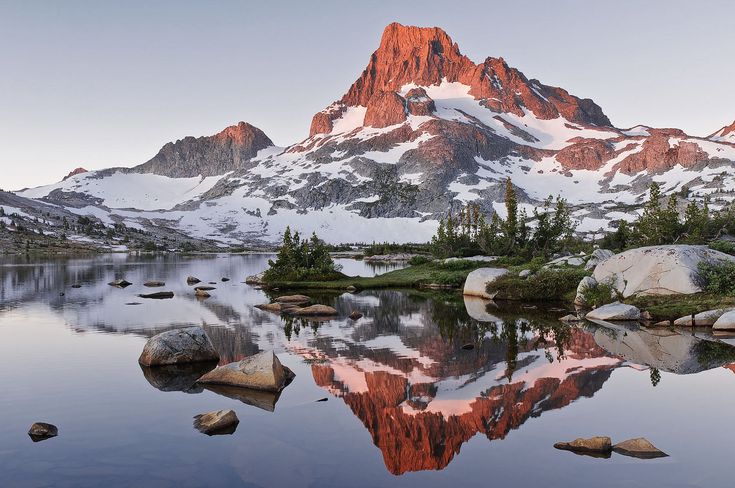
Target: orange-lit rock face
(75, 172)
(385, 109)
(416, 428)
(427, 56)
(662, 151)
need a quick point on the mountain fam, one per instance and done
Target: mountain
(422, 130)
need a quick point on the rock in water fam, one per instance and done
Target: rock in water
(201, 293)
(191, 280)
(225, 280)
(178, 346)
(314, 311)
(41, 430)
(120, 283)
(615, 311)
(263, 371)
(599, 445)
(726, 321)
(205, 288)
(159, 295)
(702, 319)
(154, 284)
(640, 448)
(477, 281)
(221, 422)
(76, 285)
(277, 307)
(255, 279)
(658, 270)
(295, 299)
(355, 315)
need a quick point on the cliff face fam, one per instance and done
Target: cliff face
(229, 150)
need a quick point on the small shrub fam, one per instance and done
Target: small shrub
(602, 294)
(723, 246)
(547, 284)
(719, 278)
(417, 260)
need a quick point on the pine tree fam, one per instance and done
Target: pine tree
(510, 227)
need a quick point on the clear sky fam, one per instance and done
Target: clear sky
(100, 83)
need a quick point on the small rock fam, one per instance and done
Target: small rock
(191, 280)
(646, 316)
(355, 315)
(76, 285)
(615, 311)
(205, 288)
(571, 318)
(134, 303)
(154, 284)
(598, 256)
(277, 307)
(178, 346)
(220, 422)
(212, 282)
(524, 273)
(159, 295)
(255, 279)
(322, 400)
(599, 444)
(225, 280)
(315, 311)
(262, 371)
(468, 347)
(351, 289)
(295, 299)
(640, 448)
(41, 430)
(201, 293)
(120, 283)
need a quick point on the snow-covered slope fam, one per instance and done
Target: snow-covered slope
(422, 131)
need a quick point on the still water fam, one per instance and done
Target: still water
(407, 404)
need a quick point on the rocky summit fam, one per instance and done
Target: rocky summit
(423, 130)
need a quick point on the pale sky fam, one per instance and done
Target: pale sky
(100, 83)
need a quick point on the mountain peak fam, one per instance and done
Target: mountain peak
(74, 172)
(726, 134)
(427, 56)
(225, 151)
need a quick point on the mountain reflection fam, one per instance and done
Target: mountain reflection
(423, 371)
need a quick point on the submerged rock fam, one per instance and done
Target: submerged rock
(571, 318)
(205, 288)
(477, 281)
(192, 280)
(159, 295)
(262, 371)
(658, 270)
(154, 284)
(640, 448)
(314, 311)
(220, 422)
(120, 283)
(277, 307)
(294, 299)
(178, 346)
(615, 311)
(225, 279)
(40, 431)
(76, 285)
(599, 444)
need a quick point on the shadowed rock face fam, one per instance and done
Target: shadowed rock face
(226, 151)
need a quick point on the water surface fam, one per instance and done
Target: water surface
(407, 404)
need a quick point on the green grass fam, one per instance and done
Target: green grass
(450, 274)
(674, 307)
(546, 285)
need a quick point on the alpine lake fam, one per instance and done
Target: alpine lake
(427, 389)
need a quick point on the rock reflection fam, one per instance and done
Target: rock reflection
(264, 400)
(177, 377)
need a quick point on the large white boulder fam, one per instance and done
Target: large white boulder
(615, 311)
(262, 371)
(726, 321)
(178, 346)
(576, 260)
(658, 270)
(477, 281)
